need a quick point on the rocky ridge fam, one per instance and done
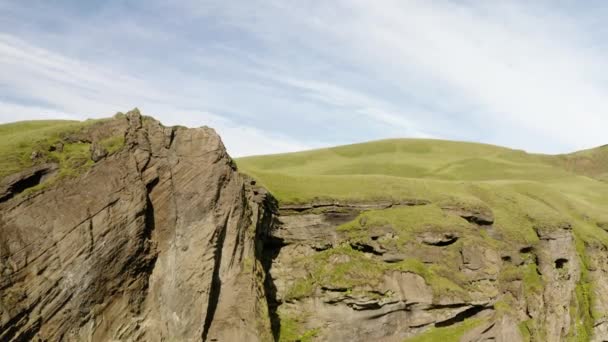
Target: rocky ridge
(158, 241)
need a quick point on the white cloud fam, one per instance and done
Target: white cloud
(80, 90)
(240, 140)
(514, 67)
(276, 75)
(518, 68)
(14, 112)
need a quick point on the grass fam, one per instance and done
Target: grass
(293, 331)
(18, 142)
(113, 144)
(446, 334)
(581, 309)
(525, 191)
(406, 222)
(354, 272)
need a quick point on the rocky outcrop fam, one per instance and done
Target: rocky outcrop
(439, 279)
(161, 241)
(21, 181)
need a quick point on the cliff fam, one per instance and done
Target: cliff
(428, 240)
(157, 241)
(126, 230)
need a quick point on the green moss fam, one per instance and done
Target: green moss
(292, 330)
(19, 140)
(441, 285)
(581, 307)
(309, 335)
(301, 288)
(524, 330)
(113, 144)
(354, 271)
(509, 273)
(447, 334)
(502, 307)
(340, 267)
(533, 282)
(407, 220)
(73, 160)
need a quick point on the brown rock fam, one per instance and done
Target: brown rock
(156, 243)
(98, 152)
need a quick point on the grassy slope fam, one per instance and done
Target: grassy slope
(18, 140)
(523, 190)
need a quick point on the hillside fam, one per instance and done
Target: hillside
(507, 203)
(123, 229)
(528, 185)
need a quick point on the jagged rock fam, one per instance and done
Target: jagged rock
(479, 215)
(503, 329)
(476, 257)
(559, 266)
(21, 181)
(98, 152)
(311, 228)
(391, 257)
(598, 276)
(438, 238)
(408, 287)
(154, 243)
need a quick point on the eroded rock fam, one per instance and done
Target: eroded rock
(156, 242)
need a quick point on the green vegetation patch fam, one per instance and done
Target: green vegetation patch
(581, 308)
(406, 221)
(25, 144)
(447, 334)
(19, 140)
(525, 192)
(292, 329)
(113, 144)
(345, 269)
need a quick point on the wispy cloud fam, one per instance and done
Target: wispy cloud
(70, 89)
(273, 76)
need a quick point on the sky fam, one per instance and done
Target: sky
(278, 76)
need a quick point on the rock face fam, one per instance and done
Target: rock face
(163, 240)
(514, 293)
(157, 242)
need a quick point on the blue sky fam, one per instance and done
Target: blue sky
(276, 76)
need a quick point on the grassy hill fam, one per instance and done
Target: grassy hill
(524, 190)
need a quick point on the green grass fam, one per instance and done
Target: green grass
(525, 191)
(446, 334)
(353, 271)
(19, 140)
(113, 144)
(292, 330)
